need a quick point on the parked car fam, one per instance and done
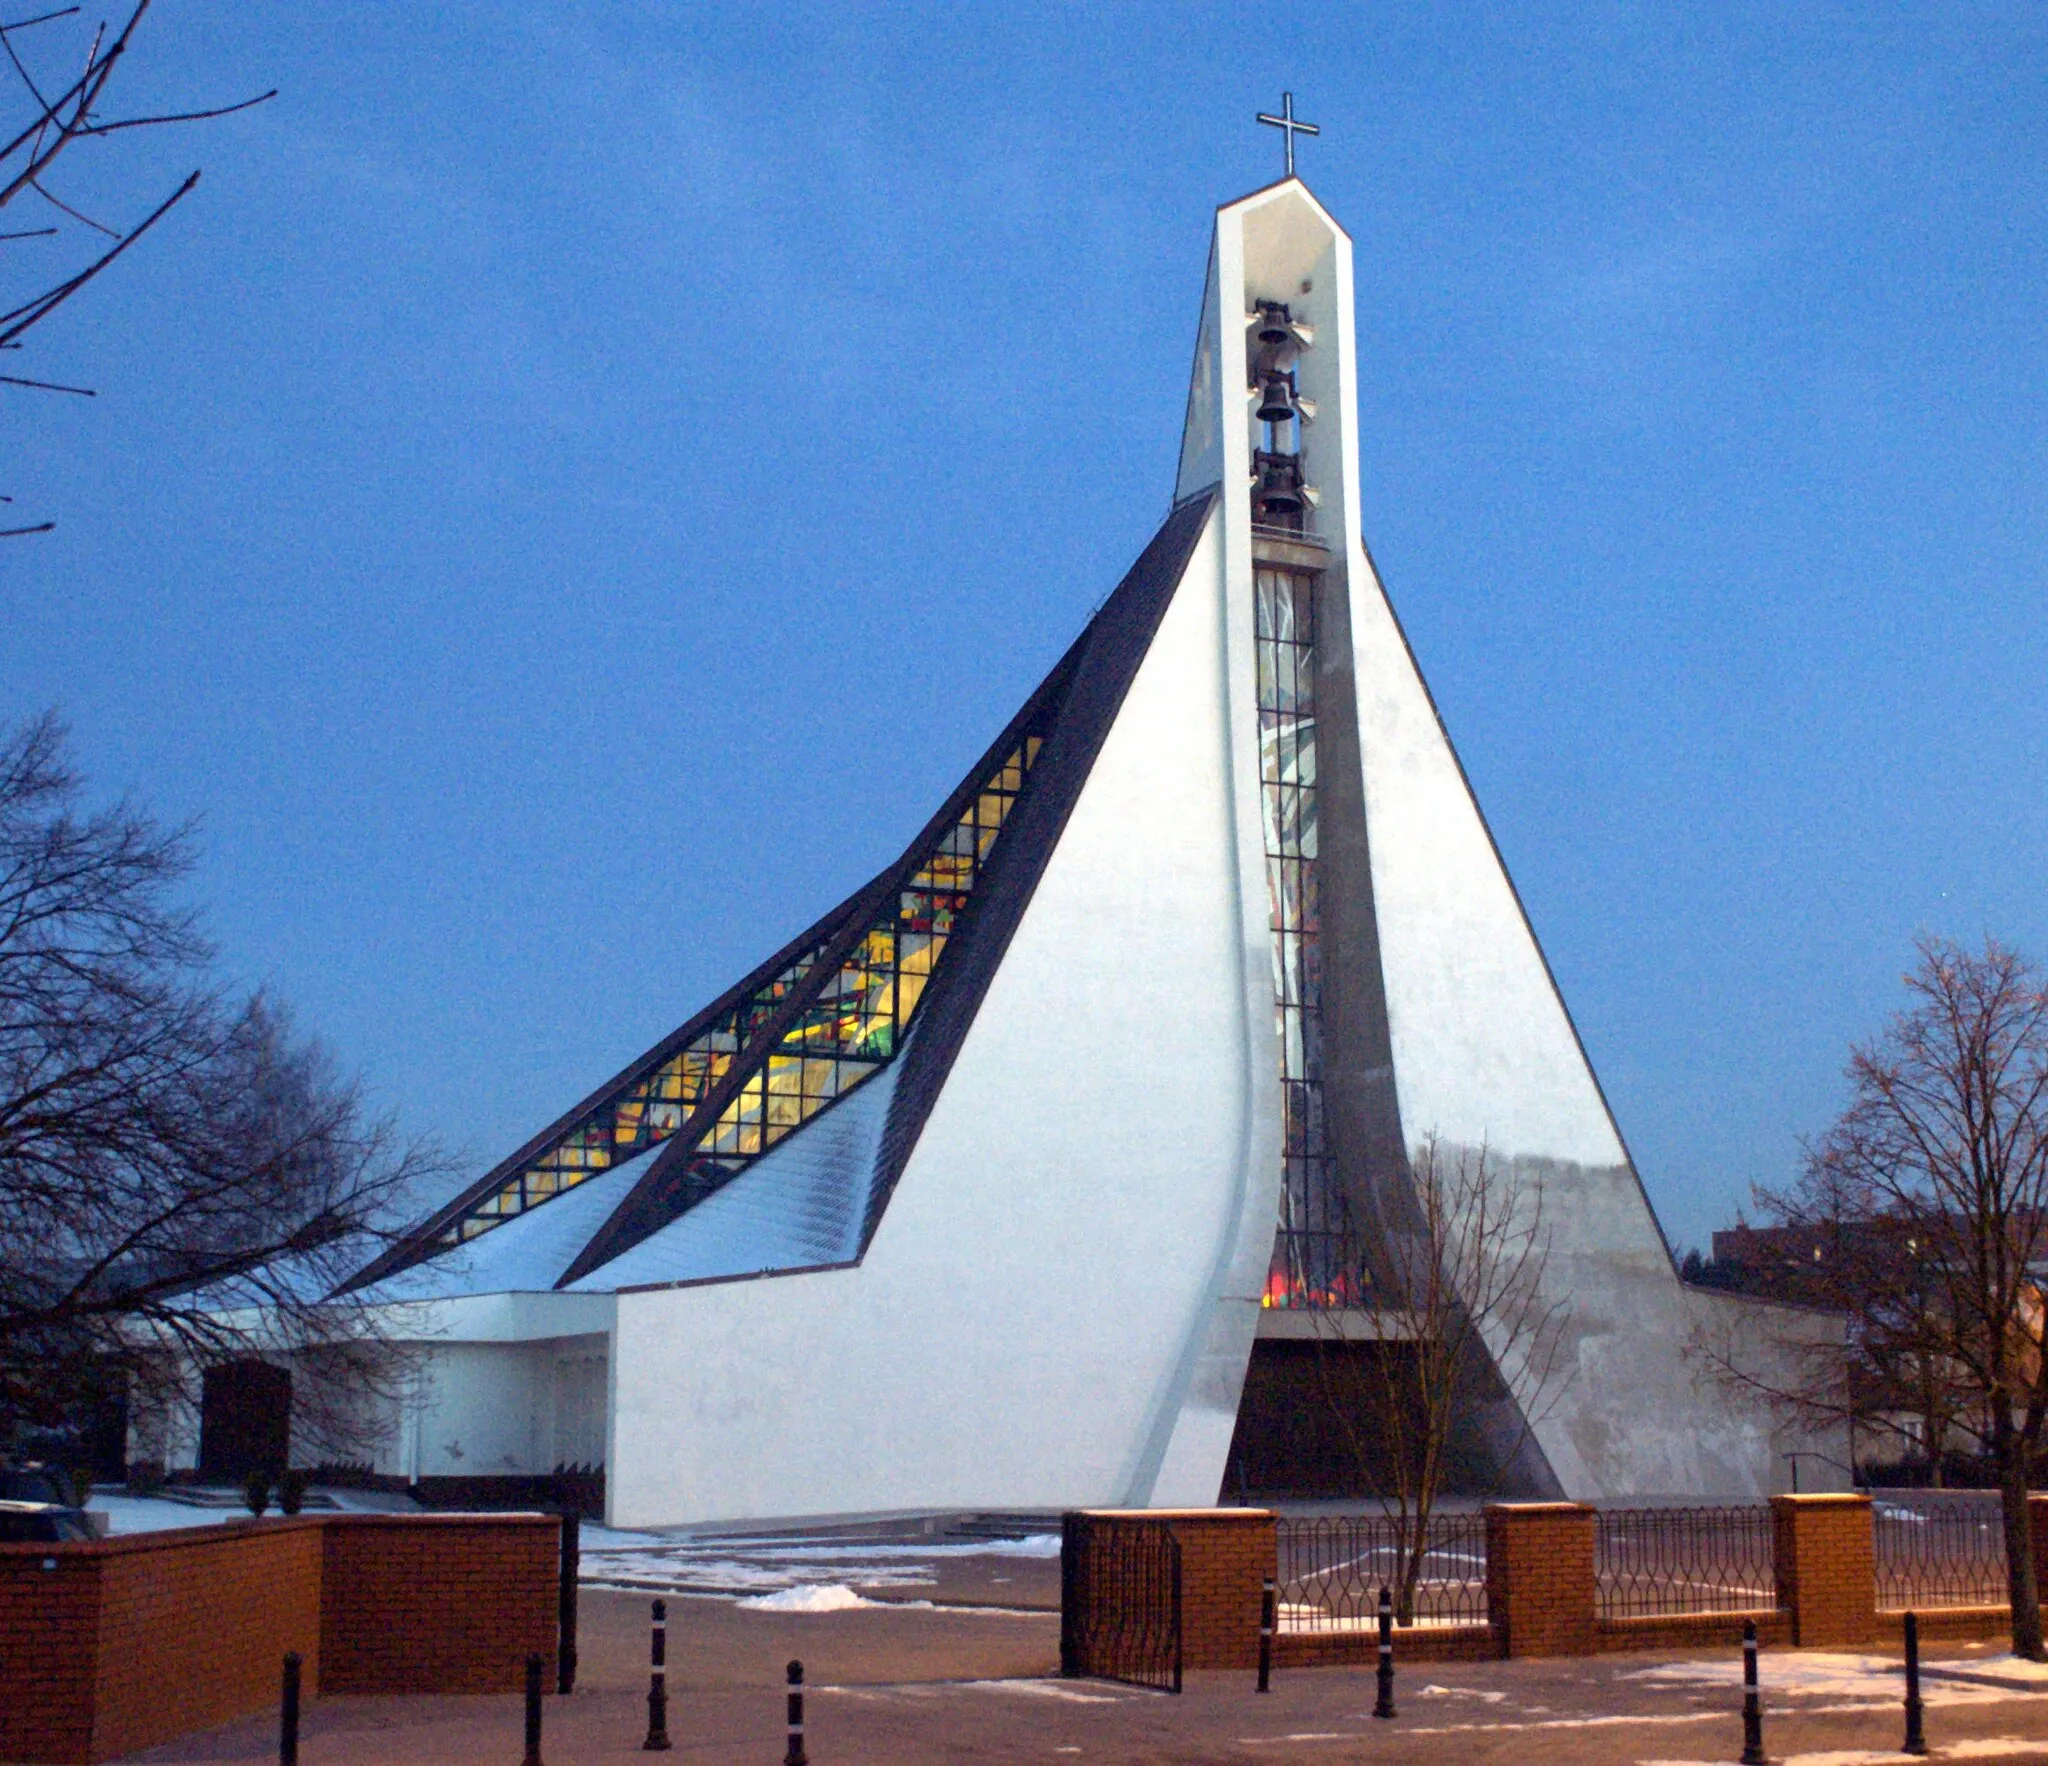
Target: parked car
(35, 1483)
(42, 1523)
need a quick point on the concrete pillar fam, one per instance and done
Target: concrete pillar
(1827, 1568)
(1541, 1594)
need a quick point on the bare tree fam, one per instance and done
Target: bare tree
(62, 78)
(1455, 1326)
(183, 1180)
(1938, 1168)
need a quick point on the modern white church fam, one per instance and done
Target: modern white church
(1015, 1182)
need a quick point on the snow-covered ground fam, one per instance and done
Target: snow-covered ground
(799, 1573)
(1843, 1682)
(770, 1564)
(158, 1514)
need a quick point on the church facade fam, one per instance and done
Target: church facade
(1016, 1181)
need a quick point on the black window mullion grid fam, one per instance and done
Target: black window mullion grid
(1314, 1254)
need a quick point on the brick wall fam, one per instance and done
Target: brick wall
(1361, 1648)
(49, 1630)
(1827, 1568)
(1540, 1587)
(436, 1603)
(193, 1631)
(123, 1643)
(1949, 1625)
(1714, 1631)
(113, 1645)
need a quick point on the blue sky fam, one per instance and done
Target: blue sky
(576, 484)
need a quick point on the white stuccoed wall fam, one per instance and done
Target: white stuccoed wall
(1484, 1055)
(1019, 1333)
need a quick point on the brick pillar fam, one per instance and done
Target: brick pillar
(1541, 1597)
(1226, 1554)
(2037, 1513)
(1827, 1568)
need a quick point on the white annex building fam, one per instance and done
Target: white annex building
(1025, 1178)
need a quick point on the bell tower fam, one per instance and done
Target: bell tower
(1269, 426)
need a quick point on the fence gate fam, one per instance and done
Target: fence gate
(1120, 1601)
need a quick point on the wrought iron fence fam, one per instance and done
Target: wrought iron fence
(1120, 1603)
(1652, 1561)
(1333, 1567)
(1939, 1554)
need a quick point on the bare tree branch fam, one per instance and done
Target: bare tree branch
(63, 110)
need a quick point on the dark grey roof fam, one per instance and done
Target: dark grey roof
(1104, 662)
(1072, 710)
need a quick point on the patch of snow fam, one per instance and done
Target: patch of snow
(1064, 1690)
(1870, 1681)
(2007, 1670)
(152, 1514)
(828, 1597)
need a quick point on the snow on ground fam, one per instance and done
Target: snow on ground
(753, 1565)
(826, 1597)
(159, 1514)
(1854, 1682)
(743, 1565)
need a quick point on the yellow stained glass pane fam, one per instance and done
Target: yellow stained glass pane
(909, 990)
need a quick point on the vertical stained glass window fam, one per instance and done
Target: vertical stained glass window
(1315, 1254)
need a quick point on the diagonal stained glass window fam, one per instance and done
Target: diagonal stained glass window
(848, 1031)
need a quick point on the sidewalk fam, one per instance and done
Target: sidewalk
(907, 1685)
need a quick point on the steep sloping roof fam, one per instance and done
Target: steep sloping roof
(816, 1194)
(801, 1205)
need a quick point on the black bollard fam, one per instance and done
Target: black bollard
(1752, 1705)
(565, 1603)
(288, 1717)
(1266, 1606)
(657, 1685)
(533, 1674)
(1384, 1705)
(1916, 1736)
(796, 1755)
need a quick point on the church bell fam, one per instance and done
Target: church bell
(1276, 403)
(1271, 325)
(1279, 487)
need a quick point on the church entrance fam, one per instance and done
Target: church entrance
(245, 1420)
(1291, 1441)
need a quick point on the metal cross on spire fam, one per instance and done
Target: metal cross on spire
(1285, 122)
